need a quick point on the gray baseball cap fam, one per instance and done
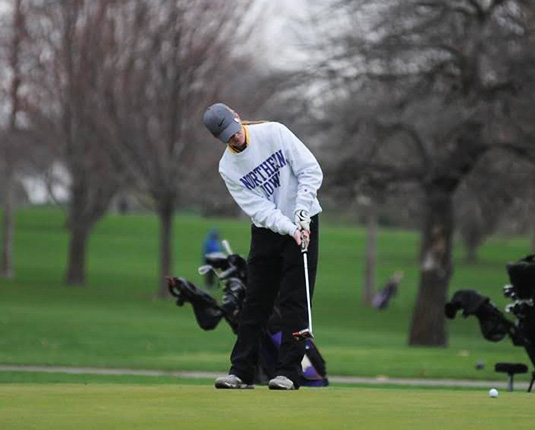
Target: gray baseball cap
(221, 121)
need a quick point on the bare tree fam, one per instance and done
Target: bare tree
(484, 200)
(368, 285)
(441, 96)
(70, 42)
(171, 59)
(10, 137)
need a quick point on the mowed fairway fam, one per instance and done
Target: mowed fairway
(114, 320)
(117, 407)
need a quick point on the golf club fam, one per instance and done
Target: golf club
(307, 332)
(227, 247)
(203, 270)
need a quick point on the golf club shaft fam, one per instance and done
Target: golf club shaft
(307, 287)
(226, 247)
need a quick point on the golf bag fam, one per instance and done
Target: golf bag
(231, 269)
(493, 323)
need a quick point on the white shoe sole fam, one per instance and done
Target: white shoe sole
(276, 386)
(223, 385)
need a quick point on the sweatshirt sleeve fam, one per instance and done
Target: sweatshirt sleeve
(262, 211)
(305, 167)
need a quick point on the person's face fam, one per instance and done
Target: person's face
(237, 139)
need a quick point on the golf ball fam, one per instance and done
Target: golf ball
(493, 392)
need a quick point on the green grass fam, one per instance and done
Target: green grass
(116, 322)
(67, 406)
(69, 378)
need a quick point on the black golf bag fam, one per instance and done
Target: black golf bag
(493, 323)
(231, 269)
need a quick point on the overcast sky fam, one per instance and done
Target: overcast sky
(283, 31)
(278, 33)
(4, 5)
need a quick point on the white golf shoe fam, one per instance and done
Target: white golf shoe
(231, 382)
(281, 383)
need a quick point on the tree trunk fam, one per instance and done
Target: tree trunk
(8, 227)
(368, 287)
(428, 326)
(166, 251)
(6, 269)
(471, 253)
(76, 262)
(85, 211)
(531, 218)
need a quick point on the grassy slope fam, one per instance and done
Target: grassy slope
(116, 322)
(131, 407)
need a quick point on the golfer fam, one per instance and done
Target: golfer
(274, 179)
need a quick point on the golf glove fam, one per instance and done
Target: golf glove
(305, 241)
(302, 220)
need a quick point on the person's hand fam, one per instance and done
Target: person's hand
(302, 238)
(302, 220)
(297, 236)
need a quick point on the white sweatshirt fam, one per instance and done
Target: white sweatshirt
(274, 176)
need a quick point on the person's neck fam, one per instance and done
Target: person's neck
(239, 148)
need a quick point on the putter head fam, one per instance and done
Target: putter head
(303, 334)
(203, 270)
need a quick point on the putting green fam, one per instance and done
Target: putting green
(155, 407)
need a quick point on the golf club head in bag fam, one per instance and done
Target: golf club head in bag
(522, 276)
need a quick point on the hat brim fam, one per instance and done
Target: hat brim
(230, 131)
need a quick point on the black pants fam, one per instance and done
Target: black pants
(275, 267)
